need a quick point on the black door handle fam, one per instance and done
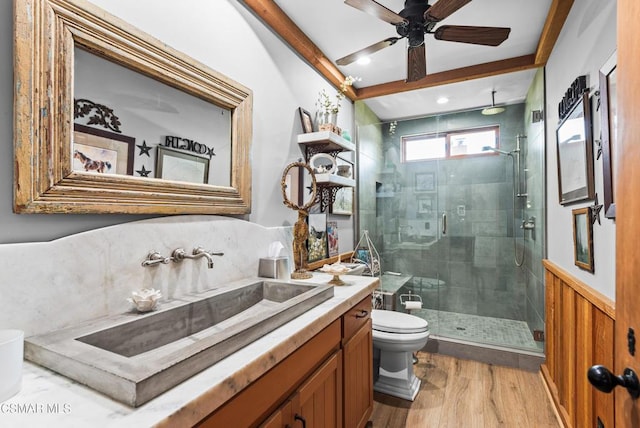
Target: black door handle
(297, 417)
(602, 378)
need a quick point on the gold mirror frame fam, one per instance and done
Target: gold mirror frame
(46, 32)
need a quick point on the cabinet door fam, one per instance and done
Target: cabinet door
(358, 378)
(318, 403)
(281, 418)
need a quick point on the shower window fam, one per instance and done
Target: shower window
(467, 142)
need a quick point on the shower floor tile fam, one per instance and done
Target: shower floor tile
(489, 330)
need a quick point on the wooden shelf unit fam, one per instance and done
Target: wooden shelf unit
(331, 143)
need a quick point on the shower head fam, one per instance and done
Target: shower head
(493, 149)
(490, 111)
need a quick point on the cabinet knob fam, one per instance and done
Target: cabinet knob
(602, 378)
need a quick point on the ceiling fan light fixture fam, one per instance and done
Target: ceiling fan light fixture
(489, 111)
(364, 60)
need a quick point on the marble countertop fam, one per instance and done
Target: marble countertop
(48, 399)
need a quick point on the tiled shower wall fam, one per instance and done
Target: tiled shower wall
(475, 259)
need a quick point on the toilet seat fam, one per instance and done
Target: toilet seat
(397, 322)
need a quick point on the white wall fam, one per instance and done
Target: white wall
(587, 40)
(228, 38)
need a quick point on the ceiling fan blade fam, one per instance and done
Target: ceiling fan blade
(488, 36)
(367, 51)
(376, 9)
(442, 9)
(416, 63)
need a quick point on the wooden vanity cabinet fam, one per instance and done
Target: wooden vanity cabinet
(326, 383)
(357, 357)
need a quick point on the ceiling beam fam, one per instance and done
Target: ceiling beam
(450, 76)
(271, 14)
(558, 12)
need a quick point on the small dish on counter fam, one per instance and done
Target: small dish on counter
(336, 270)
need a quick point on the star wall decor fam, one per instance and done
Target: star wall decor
(144, 149)
(599, 146)
(143, 172)
(595, 211)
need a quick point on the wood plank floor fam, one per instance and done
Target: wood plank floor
(461, 393)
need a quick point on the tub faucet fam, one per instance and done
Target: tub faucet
(180, 254)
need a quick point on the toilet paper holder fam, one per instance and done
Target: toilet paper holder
(411, 301)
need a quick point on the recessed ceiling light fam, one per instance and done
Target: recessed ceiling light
(364, 60)
(442, 100)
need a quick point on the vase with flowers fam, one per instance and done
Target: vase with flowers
(328, 107)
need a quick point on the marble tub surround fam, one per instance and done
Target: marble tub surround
(189, 402)
(90, 275)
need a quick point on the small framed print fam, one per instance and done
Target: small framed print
(425, 205)
(180, 166)
(583, 238)
(343, 203)
(306, 120)
(425, 182)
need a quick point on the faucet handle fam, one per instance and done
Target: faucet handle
(154, 258)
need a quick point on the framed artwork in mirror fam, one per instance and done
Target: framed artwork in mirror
(180, 166)
(583, 238)
(608, 129)
(575, 153)
(102, 151)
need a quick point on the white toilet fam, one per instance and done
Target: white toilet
(396, 336)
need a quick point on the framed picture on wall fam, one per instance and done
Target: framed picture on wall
(425, 182)
(305, 119)
(343, 203)
(575, 154)
(317, 241)
(608, 121)
(425, 205)
(583, 238)
(332, 238)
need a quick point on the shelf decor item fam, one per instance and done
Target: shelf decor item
(328, 108)
(365, 253)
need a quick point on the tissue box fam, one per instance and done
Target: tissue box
(274, 267)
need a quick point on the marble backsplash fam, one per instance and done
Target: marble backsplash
(45, 286)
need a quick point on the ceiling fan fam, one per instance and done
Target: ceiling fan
(417, 19)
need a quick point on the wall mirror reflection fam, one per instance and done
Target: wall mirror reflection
(153, 114)
(108, 99)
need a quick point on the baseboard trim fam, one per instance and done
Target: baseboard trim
(490, 354)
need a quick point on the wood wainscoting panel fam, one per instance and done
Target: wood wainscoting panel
(579, 333)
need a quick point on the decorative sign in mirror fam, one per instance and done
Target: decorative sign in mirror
(109, 119)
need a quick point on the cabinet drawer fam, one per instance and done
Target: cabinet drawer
(355, 318)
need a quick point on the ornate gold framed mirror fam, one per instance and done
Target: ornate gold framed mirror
(49, 35)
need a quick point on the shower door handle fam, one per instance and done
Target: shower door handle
(444, 223)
